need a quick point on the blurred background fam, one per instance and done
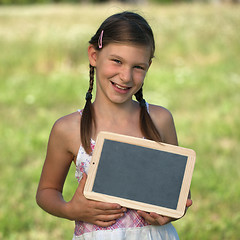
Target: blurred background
(195, 74)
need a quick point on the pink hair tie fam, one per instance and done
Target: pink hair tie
(100, 40)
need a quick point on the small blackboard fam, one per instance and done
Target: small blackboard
(140, 174)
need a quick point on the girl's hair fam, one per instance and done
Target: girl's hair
(129, 28)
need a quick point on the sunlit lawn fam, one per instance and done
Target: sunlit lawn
(195, 74)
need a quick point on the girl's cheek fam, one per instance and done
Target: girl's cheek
(140, 74)
(140, 77)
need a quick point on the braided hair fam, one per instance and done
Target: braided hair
(88, 117)
(147, 126)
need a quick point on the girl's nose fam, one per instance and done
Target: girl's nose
(126, 74)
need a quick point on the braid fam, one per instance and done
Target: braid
(91, 74)
(139, 95)
(147, 126)
(88, 116)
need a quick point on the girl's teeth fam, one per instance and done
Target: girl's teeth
(120, 87)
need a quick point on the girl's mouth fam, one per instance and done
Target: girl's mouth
(119, 86)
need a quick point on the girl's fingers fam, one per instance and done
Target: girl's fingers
(154, 218)
(189, 203)
(150, 220)
(145, 215)
(109, 212)
(105, 224)
(108, 218)
(107, 208)
(161, 220)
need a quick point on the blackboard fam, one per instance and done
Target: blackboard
(140, 174)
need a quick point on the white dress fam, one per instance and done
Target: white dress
(130, 227)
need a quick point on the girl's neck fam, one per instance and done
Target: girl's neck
(118, 118)
(112, 111)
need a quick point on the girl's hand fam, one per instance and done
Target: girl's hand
(156, 219)
(98, 213)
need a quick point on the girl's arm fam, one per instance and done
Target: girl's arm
(164, 122)
(49, 194)
(55, 169)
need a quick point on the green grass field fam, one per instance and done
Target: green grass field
(195, 74)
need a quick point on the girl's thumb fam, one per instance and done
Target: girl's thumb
(82, 183)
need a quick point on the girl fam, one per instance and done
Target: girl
(121, 53)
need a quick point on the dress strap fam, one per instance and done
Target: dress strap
(80, 111)
(147, 106)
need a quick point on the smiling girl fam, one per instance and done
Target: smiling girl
(120, 53)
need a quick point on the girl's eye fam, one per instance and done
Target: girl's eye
(116, 61)
(139, 67)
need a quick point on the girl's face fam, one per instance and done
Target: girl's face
(120, 70)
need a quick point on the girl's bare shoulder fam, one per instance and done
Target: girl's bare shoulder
(164, 122)
(160, 114)
(67, 127)
(68, 121)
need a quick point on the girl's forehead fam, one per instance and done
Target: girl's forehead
(136, 47)
(128, 50)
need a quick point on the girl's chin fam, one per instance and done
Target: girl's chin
(119, 100)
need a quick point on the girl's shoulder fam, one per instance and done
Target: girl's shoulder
(65, 134)
(159, 113)
(163, 120)
(67, 127)
(68, 122)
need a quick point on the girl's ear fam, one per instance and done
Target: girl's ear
(92, 55)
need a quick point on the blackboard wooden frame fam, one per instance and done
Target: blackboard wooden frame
(175, 154)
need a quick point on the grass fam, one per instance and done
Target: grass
(195, 74)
